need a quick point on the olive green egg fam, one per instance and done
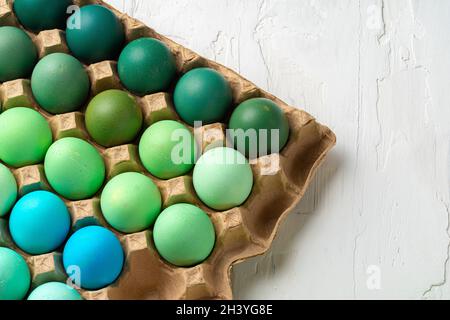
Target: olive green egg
(146, 66)
(167, 149)
(25, 137)
(130, 202)
(18, 54)
(74, 168)
(113, 118)
(8, 187)
(60, 84)
(38, 15)
(203, 95)
(259, 127)
(94, 34)
(184, 235)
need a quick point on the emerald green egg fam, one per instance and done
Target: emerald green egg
(203, 95)
(259, 127)
(146, 66)
(18, 55)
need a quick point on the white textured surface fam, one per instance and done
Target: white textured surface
(376, 72)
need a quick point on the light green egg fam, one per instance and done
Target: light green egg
(8, 187)
(223, 178)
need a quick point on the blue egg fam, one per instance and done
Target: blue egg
(93, 257)
(39, 222)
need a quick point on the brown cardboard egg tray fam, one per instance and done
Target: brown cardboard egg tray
(243, 232)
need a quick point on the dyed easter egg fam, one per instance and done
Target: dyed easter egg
(184, 235)
(59, 83)
(23, 144)
(223, 178)
(14, 275)
(94, 257)
(38, 15)
(8, 187)
(146, 66)
(204, 95)
(94, 34)
(54, 291)
(19, 55)
(259, 127)
(74, 168)
(39, 222)
(113, 118)
(167, 149)
(130, 202)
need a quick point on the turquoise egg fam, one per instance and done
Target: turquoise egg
(39, 222)
(54, 291)
(14, 275)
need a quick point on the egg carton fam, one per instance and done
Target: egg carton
(280, 180)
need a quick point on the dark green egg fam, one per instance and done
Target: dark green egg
(94, 34)
(146, 66)
(113, 118)
(256, 118)
(38, 15)
(60, 83)
(204, 95)
(18, 54)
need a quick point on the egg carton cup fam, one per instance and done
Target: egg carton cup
(280, 180)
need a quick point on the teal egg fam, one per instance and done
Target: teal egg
(146, 66)
(94, 34)
(223, 178)
(54, 291)
(204, 95)
(8, 187)
(18, 54)
(60, 84)
(38, 15)
(14, 275)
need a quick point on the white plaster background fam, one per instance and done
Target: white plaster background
(377, 73)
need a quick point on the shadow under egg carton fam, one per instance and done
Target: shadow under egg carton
(280, 181)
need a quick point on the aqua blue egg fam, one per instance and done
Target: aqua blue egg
(39, 222)
(54, 291)
(93, 257)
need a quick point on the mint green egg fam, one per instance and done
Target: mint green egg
(74, 168)
(25, 137)
(8, 187)
(184, 235)
(223, 178)
(54, 291)
(14, 275)
(167, 149)
(130, 202)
